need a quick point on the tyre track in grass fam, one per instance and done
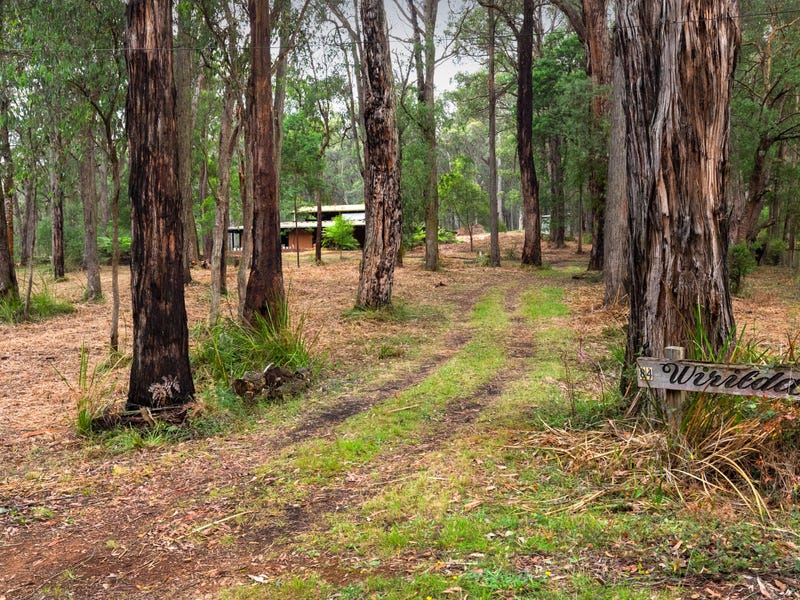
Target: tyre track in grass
(127, 558)
(358, 485)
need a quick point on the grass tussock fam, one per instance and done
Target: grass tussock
(93, 390)
(226, 350)
(43, 305)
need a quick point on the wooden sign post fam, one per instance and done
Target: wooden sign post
(676, 375)
(675, 398)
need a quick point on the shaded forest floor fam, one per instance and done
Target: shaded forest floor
(430, 458)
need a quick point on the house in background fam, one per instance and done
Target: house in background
(302, 232)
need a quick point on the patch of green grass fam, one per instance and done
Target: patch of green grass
(482, 584)
(398, 312)
(544, 303)
(130, 438)
(294, 588)
(43, 305)
(402, 345)
(363, 436)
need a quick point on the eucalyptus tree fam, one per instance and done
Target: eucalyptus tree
(102, 83)
(225, 21)
(494, 237)
(88, 190)
(422, 17)
(462, 196)
(81, 66)
(347, 35)
(484, 43)
(160, 372)
(265, 294)
(562, 100)
(678, 58)
(766, 112)
(185, 115)
(44, 100)
(381, 173)
(532, 246)
(589, 19)
(8, 278)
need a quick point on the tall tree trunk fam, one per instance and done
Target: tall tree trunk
(8, 277)
(615, 262)
(265, 293)
(580, 219)
(382, 172)
(532, 245)
(246, 191)
(555, 168)
(105, 209)
(116, 190)
(184, 115)
(7, 190)
(425, 65)
(318, 232)
(228, 135)
(160, 372)
(88, 187)
(748, 229)
(494, 232)
(282, 12)
(28, 220)
(57, 210)
(31, 241)
(206, 243)
(679, 58)
(598, 46)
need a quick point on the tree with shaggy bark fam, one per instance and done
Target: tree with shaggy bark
(381, 161)
(678, 62)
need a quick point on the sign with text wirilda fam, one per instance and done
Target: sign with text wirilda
(738, 380)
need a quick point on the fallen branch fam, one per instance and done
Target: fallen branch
(218, 522)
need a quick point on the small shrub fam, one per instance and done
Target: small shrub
(93, 391)
(740, 263)
(105, 247)
(340, 235)
(445, 236)
(772, 251)
(10, 309)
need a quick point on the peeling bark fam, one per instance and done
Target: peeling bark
(678, 62)
(381, 164)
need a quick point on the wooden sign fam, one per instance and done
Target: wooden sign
(738, 380)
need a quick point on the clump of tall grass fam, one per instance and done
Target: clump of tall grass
(93, 390)
(43, 305)
(228, 348)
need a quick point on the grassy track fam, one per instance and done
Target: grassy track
(432, 509)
